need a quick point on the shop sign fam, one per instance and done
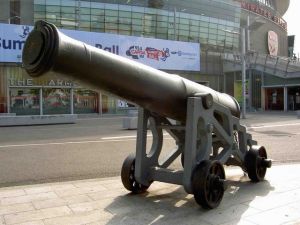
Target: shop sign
(32, 82)
(157, 53)
(264, 12)
(273, 43)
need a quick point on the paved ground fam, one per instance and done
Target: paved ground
(104, 201)
(91, 148)
(95, 148)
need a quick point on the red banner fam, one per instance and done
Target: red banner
(264, 12)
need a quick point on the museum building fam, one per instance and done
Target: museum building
(197, 39)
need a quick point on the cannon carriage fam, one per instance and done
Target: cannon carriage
(207, 127)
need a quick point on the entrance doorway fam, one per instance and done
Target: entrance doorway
(274, 99)
(294, 98)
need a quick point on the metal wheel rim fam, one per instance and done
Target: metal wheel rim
(213, 193)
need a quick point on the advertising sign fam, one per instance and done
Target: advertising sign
(256, 8)
(273, 43)
(157, 53)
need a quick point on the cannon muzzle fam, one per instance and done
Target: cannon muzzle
(47, 49)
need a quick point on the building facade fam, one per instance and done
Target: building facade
(212, 24)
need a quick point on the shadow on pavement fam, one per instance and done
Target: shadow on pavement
(172, 205)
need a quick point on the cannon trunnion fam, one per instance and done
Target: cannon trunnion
(207, 128)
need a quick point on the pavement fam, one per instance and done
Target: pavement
(104, 201)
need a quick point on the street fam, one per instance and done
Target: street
(96, 147)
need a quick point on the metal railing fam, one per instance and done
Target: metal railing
(276, 65)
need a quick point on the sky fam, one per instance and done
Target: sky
(292, 17)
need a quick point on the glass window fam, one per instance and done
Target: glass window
(194, 28)
(150, 11)
(137, 22)
(137, 15)
(161, 29)
(123, 27)
(213, 31)
(203, 24)
(85, 101)
(98, 25)
(111, 6)
(97, 5)
(183, 21)
(41, 2)
(221, 37)
(183, 38)
(213, 25)
(101, 30)
(162, 24)
(137, 9)
(53, 2)
(97, 11)
(52, 16)
(66, 9)
(194, 22)
(97, 18)
(137, 28)
(108, 104)
(66, 16)
(194, 34)
(67, 27)
(68, 3)
(39, 15)
(149, 34)
(183, 26)
(109, 19)
(85, 11)
(85, 17)
(203, 35)
(162, 36)
(125, 8)
(162, 18)
(124, 14)
(111, 13)
(56, 101)
(39, 8)
(53, 9)
(25, 101)
(125, 21)
(84, 24)
(111, 27)
(183, 32)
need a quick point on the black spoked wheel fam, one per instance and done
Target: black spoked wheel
(208, 183)
(256, 163)
(127, 176)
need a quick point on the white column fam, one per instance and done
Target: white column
(250, 89)
(175, 23)
(285, 99)
(72, 101)
(8, 99)
(41, 102)
(224, 83)
(248, 34)
(243, 72)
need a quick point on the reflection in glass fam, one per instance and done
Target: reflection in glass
(108, 104)
(24, 101)
(85, 101)
(56, 101)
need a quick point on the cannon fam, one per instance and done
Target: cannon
(204, 123)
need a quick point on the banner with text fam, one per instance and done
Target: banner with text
(157, 53)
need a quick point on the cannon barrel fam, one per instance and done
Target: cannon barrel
(47, 49)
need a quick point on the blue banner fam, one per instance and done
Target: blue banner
(157, 53)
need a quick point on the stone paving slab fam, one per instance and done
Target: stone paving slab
(105, 201)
